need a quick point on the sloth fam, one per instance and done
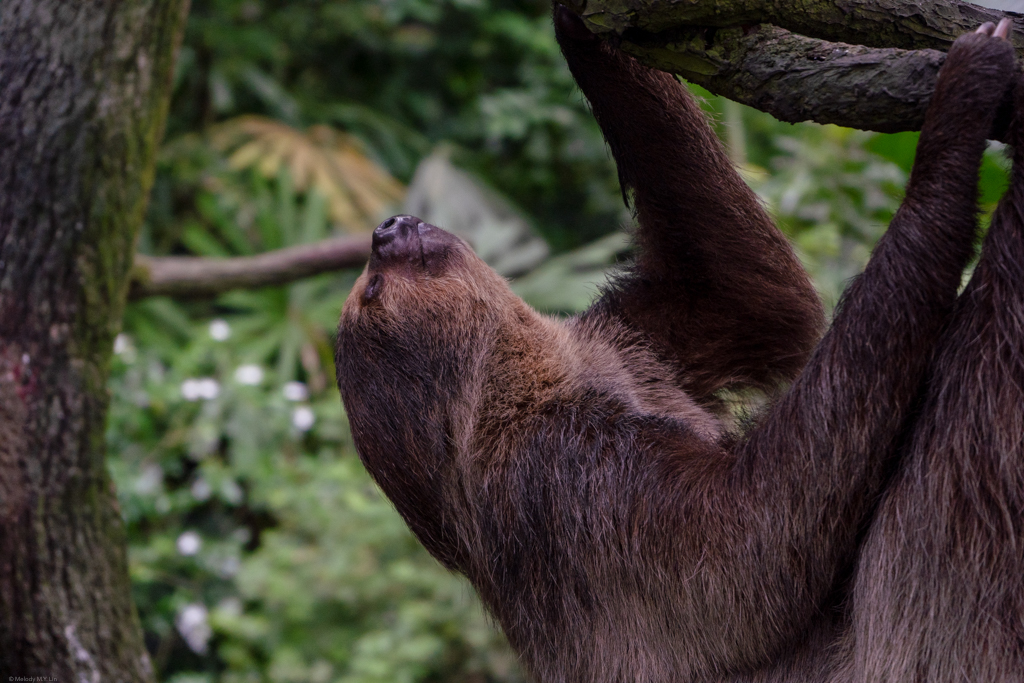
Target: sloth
(939, 588)
(577, 471)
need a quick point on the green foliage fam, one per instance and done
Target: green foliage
(485, 75)
(259, 548)
(834, 198)
(832, 190)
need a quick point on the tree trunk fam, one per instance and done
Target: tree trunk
(84, 88)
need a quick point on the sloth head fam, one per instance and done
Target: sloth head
(412, 348)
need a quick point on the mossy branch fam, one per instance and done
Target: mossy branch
(780, 56)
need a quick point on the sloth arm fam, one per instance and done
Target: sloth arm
(772, 523)
(715, 286)
(943, 555)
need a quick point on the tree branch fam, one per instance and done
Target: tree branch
(798, 79)
(752, 51)
(185, 276)
(908, 24)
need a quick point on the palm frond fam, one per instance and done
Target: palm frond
(358, 191)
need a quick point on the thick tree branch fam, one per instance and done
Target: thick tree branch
(798, 79)
(908, 24)
(183, 276)
(774, 55)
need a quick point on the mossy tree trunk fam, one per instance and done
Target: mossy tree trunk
(84, 88)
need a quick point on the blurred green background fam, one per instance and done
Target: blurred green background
(259, 548)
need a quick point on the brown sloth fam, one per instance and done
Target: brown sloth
(575, 471)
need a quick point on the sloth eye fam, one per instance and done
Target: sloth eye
(373, 287)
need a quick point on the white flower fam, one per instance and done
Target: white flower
(303, 418)
(123, 348)
(249, 374)
(193, 626)
(190, 389)
(200, 491)
(295, 391)
(220, 330)
(204, 387)
(209, 388)
(189, 543)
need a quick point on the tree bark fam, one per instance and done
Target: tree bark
(908, 24)
(795, 78)
(84, 88)
(778, 55)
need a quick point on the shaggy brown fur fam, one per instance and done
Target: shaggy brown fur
(939, 593)
(572, 470)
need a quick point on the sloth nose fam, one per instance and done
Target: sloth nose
(408, 240)
(395, 229)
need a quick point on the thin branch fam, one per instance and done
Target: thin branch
(775, 55)
(187, 277)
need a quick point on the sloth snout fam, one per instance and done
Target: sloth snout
(408, 241)
(395, 231)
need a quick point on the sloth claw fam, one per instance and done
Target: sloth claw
(1003, 30)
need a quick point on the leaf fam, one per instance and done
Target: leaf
(358, 192)
(570, 282)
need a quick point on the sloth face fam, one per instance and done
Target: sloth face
(412, 340)
(407, 245)
(418, 269)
